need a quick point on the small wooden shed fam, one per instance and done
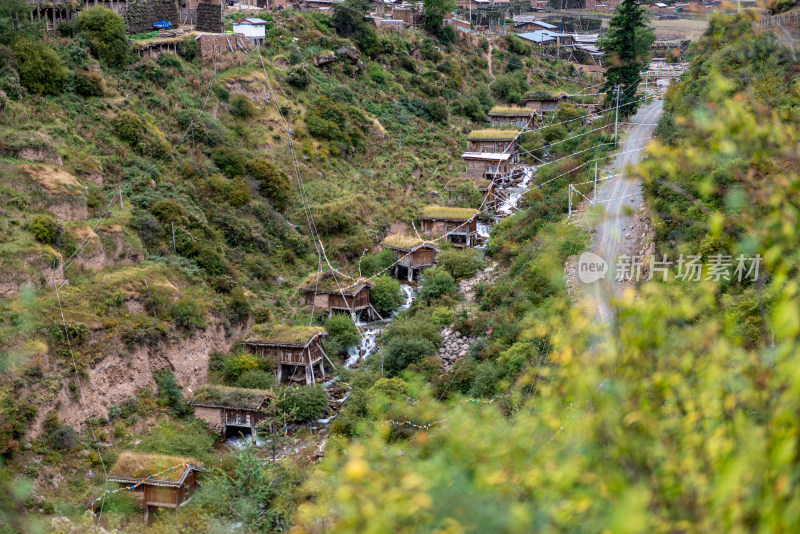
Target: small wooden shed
(324, 292)
(459, 224)
(541, 102)
(484, 186)
(489, 165)
(173, 480)
(290, 348)
(413, 254)
(510, 115)
(494, 141)
(226, 408)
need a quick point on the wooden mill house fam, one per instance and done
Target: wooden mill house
(459, 224)
(170, 488)
(510, 116)
(227, 409)
(494, 141)
(541, 102)
(292, 349)
(487, 188)
(322, 291)
(413, 254)
(489, 165)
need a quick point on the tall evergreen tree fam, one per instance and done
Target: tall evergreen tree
(626, 50)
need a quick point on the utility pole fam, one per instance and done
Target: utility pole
(569, 203)
(594, 197)
(616, 115)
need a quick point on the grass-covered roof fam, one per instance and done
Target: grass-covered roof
(490, 133)
(230, 397)
(446, 212)
(404, 241)
(510, 110)
(481, 184)
(282, 334)
(140, 465)
(326, 283)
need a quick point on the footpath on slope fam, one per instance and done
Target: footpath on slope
(616, 218)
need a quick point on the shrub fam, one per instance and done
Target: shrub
(89, 83)
(554, 133)
(3, 100)
(443, 316)
(188, 49)
(229, 160)
(399, 353)
(386, 296)
(374, 263)
(303, 403)
(516, 45)
(437, 282)
(67, 29)
(189, 313)
(241, 107)
(473, 109)
(106, 33)
(44, 228)
(256, 379)
(235, 366)
(342, 330)
(63, 438)
(39, 67)
(169, 392)
(169, 61)
(485, 382)
(437, 111)
(466, 195)
(460, 264)
(128, 127)
(391, 387)
(193, 439)
(299, 77)
(239, 306)
(510, 86)
(273, 183)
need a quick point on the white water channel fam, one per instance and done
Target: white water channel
(514, 194)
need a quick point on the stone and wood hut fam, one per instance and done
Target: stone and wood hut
(324, 292)
(230, 409)
(294, 350)
(541, 102)
(489, 165)
(510, 116)
(494, 141)
(413, 254)
(459, 224)
(173, 480)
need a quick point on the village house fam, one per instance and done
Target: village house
(487, 189)
(496, 141)
(409, 14)
(292, 349)
(474, 5)
(510, 116)
(173, 480)
(489, 165)
(228, 409)
(319, 6)
(458, 224)
(254, 29)
(528, 23)
(541, 102)
(322, 291)
(413, 254)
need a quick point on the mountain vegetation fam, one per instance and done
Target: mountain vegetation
(154, 210)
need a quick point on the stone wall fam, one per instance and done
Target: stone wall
(141, 15)
(217, 43)
(209, 17)
(212, 416)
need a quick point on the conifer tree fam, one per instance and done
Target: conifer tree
(626, 49)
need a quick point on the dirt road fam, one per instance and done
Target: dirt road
(619, 198)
